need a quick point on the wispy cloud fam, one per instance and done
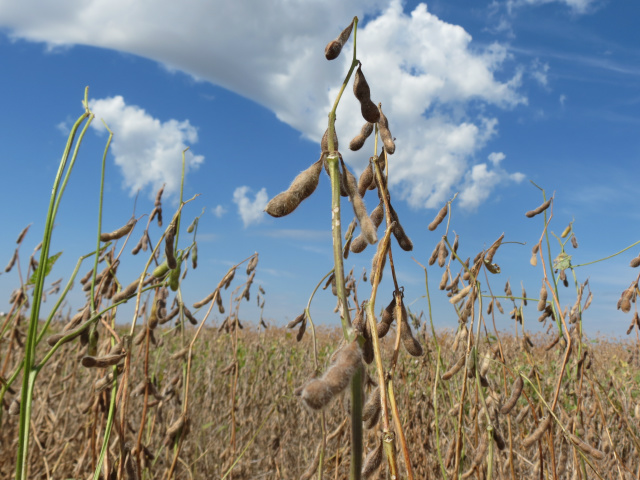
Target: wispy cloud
(576, 6)
(481, 180)
(250, 211)
(147, 150)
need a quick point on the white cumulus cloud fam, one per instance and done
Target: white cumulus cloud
(437, 87)
(250, 211)
(218, 211)
(481, 181)
(147, 150)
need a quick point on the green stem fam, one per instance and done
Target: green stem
(30, 373)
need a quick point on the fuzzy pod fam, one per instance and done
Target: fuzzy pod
(168, 246)
(388, 315)
(377, 215)
(126, 292)
(460, 295)
(443, 253)
(358, 141)
(365, 180)
(635, 262)
(536, 434)
(372, 461)
(403, 240)
(301, 188)
(12, 262)
(22, 234)
(542, 303)
(361, 90)
(119, 233)
(102, 362)
(411, 344)
(434, 254)
(488, 258)
(455, 368)
(379, 260)
(253, 263)
(372, 407)
(444, 279)
(385, 134)
(318, 392)
(439, 218)
(367, 351)
(516, 391)
(586, 448)
(334, 47)
(72, 334)
(538, 210)
(574, 241)
(366, 225)
(324, 143)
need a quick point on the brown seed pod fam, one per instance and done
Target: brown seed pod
(388, 315)
(455, 368)
(22, 234)
(411, 344)
(538, 210)
(515, 395)
(379, 260)
(324, 143)
(534, 436)
(372, 461)
(102, 362)
(439, 218)
(635, 262)
(586, 448)
(226, 280)
(385, 134)
(12, 262)
(361, 90)
(434, 254)
(119, 233)
(334, 47)
(478, 457)
(373, 406)
(301, 187)
(365, 180)
(358, 141)
(403, 240)
(443, 253)
(366, 225)
(168, 246)
(318, 392)
(126, 292)
(574, 241)
(460, 295)
(507, 289)
(445, 277)
(488, 258)
(542, 303)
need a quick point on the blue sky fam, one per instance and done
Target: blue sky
(482, 97)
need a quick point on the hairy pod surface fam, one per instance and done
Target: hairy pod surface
(385, 134)
(301, 188)
(361, 90)
(334, 47)
(538, 210)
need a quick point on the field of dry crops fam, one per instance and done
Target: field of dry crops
(264, 431)
(169, 395)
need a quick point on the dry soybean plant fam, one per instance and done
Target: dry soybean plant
(136, 416)
(360, 344)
